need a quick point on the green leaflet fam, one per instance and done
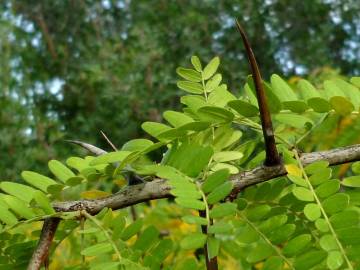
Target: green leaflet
(193, 241)
(154, 129)
(211, 68)
(225, 156)
(177, 119)
(215, 114)
(20, 191)
(281, 89)
(189, 74)
(97, 249)
(137, 145)
(351, 181)
(303, 194)
(328, 242)
(297, 245)
(319, 104)
(43, 202)
(297, 121)
(336, 203)
(190, 203)
(190, 87)
(195, 61)
(312, 211)
(147, 238)
(243, 108)
(62, 172)
(213, 83)
(214, 180)
(222, 210)
(309, 259)
(334, 260)
(213, 246)
(307, 90)
(18, 206)
(111, 157)
(194, 220)
(260, 252)
(132, 229)
(37, 180)
(219, 192)
(341, 105)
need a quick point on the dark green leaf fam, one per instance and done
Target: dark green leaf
(215, 179)
(296, 245)
(336, 203)
(309, 259)
(243, 108)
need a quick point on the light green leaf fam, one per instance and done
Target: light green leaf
(215, 114)
(307, 90)
(194, 220)
(243, 108)
(18, 206)
(297, 245)
(190, 87)
(260, 252)
(37, 180)
(225, 156)
(308, 260)
(221, 166)
(341, 105)
(334, 260)
(20, 191)
(154, 129)
(132, 229)
(62, 172)
(336, 203)
(6, 216)
(222, 210)
(77, 163)
(328, 188)
(303, 194)
(316, 166)
(345, 219)
(43, 202)
(213, 246)
(297, 180)
(320, 176)
(273, 263)
(137, 145)
(332, 90)
(294, 120)
(213, 83)
(195, 61)
(193, 241)
(185, 193)
(257, 213)
(215, 179)
(221, 227)
(351, 181)
(220, 192)
(297, 106)
(189, 74)
(177, 119)
(111, 157)
(211, 68)
(190, 203)
(322, 225)
(281, 89)
(147, 238)
(328, 242)
(312, 211)
(319, 104)
(220, 96)
(97, 249)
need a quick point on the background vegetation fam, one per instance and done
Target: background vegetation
(72, 68)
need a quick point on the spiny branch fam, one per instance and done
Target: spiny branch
(272, 155)
(159, 188)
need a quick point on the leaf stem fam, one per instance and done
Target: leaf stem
(263, 236)
(98, 224)
(342, 250)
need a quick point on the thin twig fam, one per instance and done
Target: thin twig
(272, 155)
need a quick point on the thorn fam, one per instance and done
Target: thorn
(108, 141)
(272, 155)
(91, 148)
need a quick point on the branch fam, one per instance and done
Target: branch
(272, 155)
(159, 188)
(42, 250)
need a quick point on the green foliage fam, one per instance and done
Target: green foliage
(304, 221)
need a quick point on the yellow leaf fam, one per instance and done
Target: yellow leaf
(94, 194)
(293, 169)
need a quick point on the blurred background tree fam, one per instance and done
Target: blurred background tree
(70, 68)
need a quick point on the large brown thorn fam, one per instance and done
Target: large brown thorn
(272, 155)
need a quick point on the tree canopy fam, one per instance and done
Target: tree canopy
(72, 68)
